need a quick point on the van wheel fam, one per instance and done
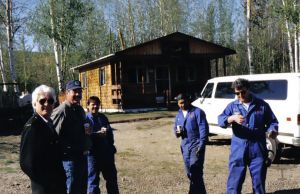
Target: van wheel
(278, 153)
(274, 150)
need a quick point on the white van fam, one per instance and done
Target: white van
(280, 90)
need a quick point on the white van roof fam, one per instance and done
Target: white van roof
(256, 77)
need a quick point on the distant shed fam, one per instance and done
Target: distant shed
(151, 74)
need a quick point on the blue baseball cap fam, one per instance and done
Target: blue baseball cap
(73, 84)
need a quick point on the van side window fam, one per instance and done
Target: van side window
(208, 91)
(269, 89)
(224, 90)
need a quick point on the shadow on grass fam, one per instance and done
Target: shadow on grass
(9, 132)
(218, 141)
(290, 191)
(290, 155)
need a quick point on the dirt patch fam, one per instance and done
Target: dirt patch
(149, 161)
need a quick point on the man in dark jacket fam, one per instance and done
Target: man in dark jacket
(68, 119)
(40, 157)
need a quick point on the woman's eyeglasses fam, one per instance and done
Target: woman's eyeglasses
(243, 92)
(44, 100)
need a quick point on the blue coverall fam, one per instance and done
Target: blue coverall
(248, 143)
(101, 157)
(195, 136)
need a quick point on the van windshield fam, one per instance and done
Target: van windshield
(207, 92)
(266, 89)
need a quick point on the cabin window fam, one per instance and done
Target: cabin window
(116, 101)
(138, 75)
(181, 73)
(162, 73)
(151, 75)
(186, 73)
(191, 74)
(102, 76)
(115, 74)
(84, 80)
(132, 75)
(207, 92)
(142, 75)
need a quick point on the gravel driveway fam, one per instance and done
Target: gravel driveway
(149, 161)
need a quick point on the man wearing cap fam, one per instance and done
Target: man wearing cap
(192, 127)
(68, 119)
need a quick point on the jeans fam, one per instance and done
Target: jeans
(104, 164)
(76, 173)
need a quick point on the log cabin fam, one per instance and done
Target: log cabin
(149, 75)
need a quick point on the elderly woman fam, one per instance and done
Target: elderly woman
(40, 157)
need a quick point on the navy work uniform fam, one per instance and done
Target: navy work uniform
(194, 139)
(101, 157)
(248, 143)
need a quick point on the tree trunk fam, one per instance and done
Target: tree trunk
(161, 9)
(298, 42)
(123, 45)
(251, 67)
(296, 45)
(296, 51)
(56, 47)
(25, 69)
(9, 32)
(291, 61)
(2, 70)
(131, 24)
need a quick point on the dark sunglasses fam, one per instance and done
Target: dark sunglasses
(243, 92)
(49, 101)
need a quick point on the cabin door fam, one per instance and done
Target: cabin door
(162, 85)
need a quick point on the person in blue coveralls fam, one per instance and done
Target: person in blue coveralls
(251, 118)
(101, 157)
(192, 127)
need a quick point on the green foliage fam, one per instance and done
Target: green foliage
(88, 29)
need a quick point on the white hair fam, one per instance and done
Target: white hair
(42, 89)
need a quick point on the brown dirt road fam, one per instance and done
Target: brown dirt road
(149, 161)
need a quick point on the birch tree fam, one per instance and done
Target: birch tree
(291, 62)
(61, 21)
(296, 42)
(10, 30)
(249, 53)
(56, 46)
(2, 69)
(95, 39)
(131, 24)
(290, 12)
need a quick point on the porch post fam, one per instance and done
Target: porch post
(217, 69)
(170, 85)
(224, 66)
